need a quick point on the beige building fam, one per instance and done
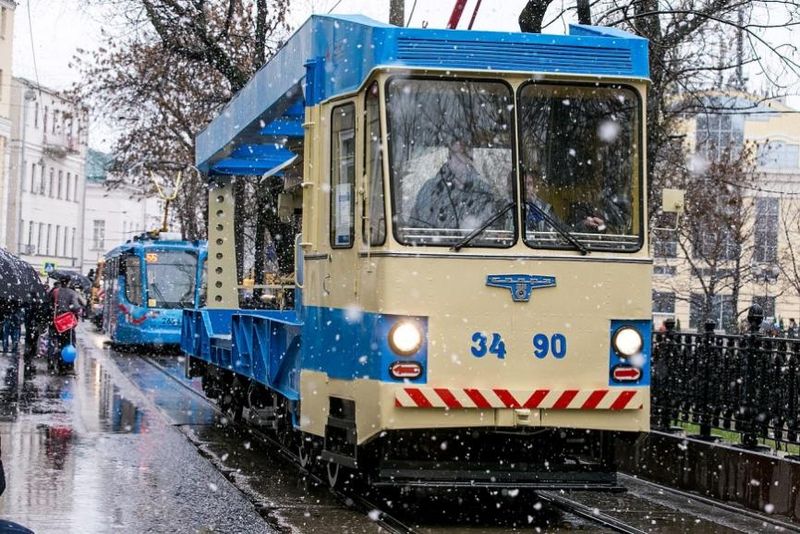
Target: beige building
(772, 203)
(7, 8)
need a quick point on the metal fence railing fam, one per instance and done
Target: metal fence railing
(747, 386)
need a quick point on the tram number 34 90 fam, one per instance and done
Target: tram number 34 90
(543, 345)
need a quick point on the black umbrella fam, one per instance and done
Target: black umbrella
(70, 277)
(19, 285)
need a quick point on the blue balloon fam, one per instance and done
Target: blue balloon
(69, 353)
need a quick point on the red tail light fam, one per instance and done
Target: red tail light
(624, 373)
(403, 370)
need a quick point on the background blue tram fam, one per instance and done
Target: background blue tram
(147, 282)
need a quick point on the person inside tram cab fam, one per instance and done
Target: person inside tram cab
(457, 196)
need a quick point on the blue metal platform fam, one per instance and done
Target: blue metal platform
(263, 345)
(332, 55)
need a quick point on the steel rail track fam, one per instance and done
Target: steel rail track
(587, 512)
(790, 527)
(351, 500)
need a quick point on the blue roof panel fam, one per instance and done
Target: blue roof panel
(331, 55)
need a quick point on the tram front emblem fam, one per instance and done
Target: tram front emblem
(520, 285)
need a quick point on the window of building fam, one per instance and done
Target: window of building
(42, 181)
(779, 155)
(30, 236)
(51, 191)
(665, 245)
(69, 186)
(75, 189)
(72, 244)
(3, 21)
(664, 270)
(33, 178)
(57, 240)
(716, 245)
(67, 252)
(60, 184)
(663, 302)
(49, 235)
(55, 120)
(98, 234)
(718, 133)
(343, 176)
(39, 240)
(36, 115)
(44, 119)
(722, 311)
(767, 304)
(766, 230)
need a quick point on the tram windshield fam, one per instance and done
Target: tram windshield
(579, 165)
(453, 171)
(170, 278)
(451, 161)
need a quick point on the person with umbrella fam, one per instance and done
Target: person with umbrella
(21, 289)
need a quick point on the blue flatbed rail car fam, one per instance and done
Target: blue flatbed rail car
(262, 345)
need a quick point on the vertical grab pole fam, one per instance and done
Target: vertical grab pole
(222, 288)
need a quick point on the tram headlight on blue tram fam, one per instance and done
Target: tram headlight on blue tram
(405, 338)
(627, 341)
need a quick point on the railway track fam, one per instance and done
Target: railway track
(582, 506)
(350, 499)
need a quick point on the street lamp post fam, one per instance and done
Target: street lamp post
(768, 274)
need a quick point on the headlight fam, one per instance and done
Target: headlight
(405, 338)
(627, 341)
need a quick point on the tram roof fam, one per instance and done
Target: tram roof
(334, 54)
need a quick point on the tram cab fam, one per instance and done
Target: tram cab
(473, 251)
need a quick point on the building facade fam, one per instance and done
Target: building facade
(115, 211)
(7, 8)
(45, 196)
(762, 263)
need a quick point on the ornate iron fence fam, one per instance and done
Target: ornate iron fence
(746, 384)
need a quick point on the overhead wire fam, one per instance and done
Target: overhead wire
(33, 49)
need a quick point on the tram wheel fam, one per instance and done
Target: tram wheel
(304, 453)
(334, 474)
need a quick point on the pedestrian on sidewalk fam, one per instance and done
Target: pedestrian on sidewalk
(12, 328)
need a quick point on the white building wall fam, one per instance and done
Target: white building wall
(112, 216)
(46, 197)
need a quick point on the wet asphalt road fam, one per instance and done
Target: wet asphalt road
(90, 453)
(124, 446)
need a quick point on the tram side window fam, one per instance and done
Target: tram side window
(374, 166)
(133, 280)
(343, 176)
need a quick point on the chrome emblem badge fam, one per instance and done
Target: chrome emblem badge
(520, 285)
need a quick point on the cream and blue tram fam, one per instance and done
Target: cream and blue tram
(472, 302)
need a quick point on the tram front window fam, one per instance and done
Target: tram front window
(171, 278)
(451, 161)
(579, 165)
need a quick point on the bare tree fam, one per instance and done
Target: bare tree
(179, 63)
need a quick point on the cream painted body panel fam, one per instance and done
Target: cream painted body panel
(450, 289)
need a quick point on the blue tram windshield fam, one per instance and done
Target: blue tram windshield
(579, 164)
(170, 278)
(451, 144)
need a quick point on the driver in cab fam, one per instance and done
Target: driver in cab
(457, 196)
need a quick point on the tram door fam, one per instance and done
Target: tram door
(339, 282)
(372, 213)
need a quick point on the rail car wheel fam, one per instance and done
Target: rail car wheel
(335, 473)
(305, 454)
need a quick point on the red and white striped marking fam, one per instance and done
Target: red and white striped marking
(547, 399)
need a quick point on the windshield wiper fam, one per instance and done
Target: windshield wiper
(479, 230)
(566, 234)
